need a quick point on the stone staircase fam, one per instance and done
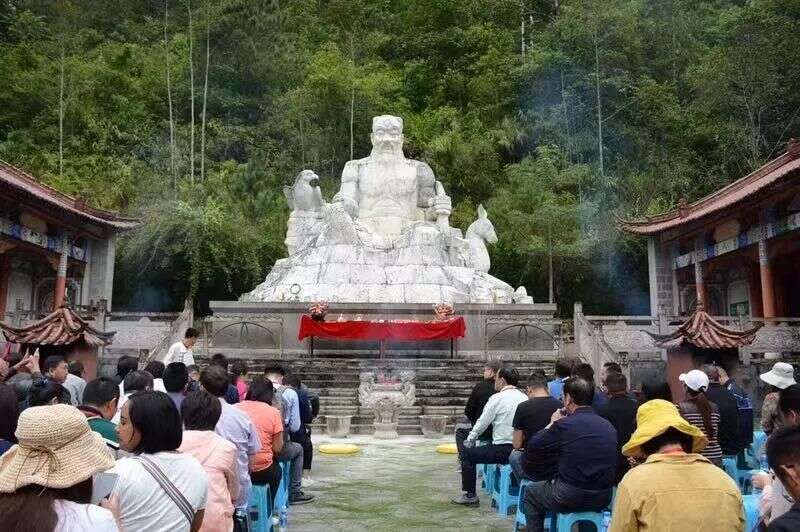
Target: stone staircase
(442, 386)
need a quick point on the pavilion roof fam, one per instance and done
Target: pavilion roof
(705, 332)
(62, 327)
(723, 198)
(28, 185)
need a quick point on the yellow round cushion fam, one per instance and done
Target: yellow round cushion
(339, 448)
(447, 448)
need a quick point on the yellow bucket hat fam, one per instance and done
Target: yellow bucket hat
(653, 419)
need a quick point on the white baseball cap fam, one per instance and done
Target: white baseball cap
(696, 380)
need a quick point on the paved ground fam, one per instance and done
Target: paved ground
(398, 485)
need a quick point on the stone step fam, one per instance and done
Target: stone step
(337, 400)
(335, 392)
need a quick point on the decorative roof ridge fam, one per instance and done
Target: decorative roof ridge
(76, 204)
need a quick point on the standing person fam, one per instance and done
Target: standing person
(264, 468)
(56, 369)
(234, 426)
(200, 412)
(100, 399)
(176, 381)
(302, 436)
(743, 405)
(780, 377)
(238, 373)
(563, 371)
(620, 411)
(478, 398)
(532, 416)
(46, 481)
(182, 351)
(159, 489)
(74, 382)
(728, 412)
(701, 412)
(135, 381)
(585, 446)
(498, 412)
(9, 413)
(674, 487)
(783, 455)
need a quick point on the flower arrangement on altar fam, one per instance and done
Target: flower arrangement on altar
(443, 311)
(318, 311)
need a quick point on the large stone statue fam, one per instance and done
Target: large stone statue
(384, 238)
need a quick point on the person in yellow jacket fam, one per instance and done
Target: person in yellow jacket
(673, 487)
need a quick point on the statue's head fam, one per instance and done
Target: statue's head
(306, 176)
(387, 135)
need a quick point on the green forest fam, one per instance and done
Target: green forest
(557, 115)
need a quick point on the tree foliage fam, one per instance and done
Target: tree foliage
(556, 115)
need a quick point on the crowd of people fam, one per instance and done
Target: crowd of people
(167, 448)
(654, 460)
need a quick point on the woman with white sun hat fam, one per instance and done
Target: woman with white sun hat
(780, 377)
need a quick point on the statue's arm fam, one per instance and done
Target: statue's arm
(348, 191)
(426, 185)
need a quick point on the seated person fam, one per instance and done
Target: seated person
(100, 398)
(620, 411)
(478, 398)
(783, 455)
(499, 412)
(532, 416)
(585, 445)
(675, 487)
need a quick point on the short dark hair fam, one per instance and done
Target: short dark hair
(612, 367)
(292, 380)
(155, 368)
(192, 367)
(509, 374)
(564, 367)
(783, 448)
(656, 389)
(616, 382)
(218, 359)
(537, 379)
(261, 389)
(43, 391)
(200, 410)
(670, 436)
(789, 399)
(580, 390)
(100, 391)
(52, 362)
(157, 419)
(493, 365)
(175, 377)
(76, 368)
(584, 371)
(136, 381)
(125, 365)
(238, 368)
(274, 369)
(215, 380)
(191, 332)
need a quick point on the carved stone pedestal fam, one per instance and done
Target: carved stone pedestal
(386, 431)
(386, 398)
(338, 426)
(433, 426)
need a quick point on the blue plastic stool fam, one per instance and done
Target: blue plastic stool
(259, 510)
(505, 493)
(489, 474)
(520, 520)
(564, 522)
(282, 496)
(729, 465)
(744, 477)
(750, 511)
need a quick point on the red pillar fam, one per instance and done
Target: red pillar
(767, 283)
(61, 276)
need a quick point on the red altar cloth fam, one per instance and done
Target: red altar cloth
(373, 330)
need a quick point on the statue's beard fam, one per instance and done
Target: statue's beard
(387, 150)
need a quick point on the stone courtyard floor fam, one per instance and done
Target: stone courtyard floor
(402, 484)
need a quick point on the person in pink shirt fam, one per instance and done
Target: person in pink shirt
(264, 469)
(200, 412)
(238, 371)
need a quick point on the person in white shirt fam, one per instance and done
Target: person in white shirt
(46, 480)
(135, 381)
(499, 413)
(182, 351)
(150, 428)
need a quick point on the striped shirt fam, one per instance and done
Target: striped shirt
(689, 412)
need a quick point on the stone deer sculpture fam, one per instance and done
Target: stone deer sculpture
(478, 234)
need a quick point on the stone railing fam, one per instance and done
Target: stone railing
(176, 332)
